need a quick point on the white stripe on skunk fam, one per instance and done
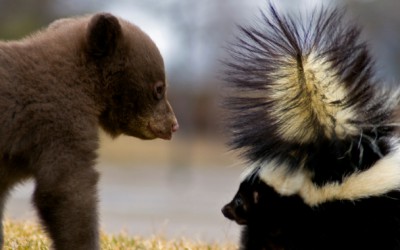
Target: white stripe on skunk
(311, 84)
(381, 178)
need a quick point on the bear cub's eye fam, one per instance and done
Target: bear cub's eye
(159, 89)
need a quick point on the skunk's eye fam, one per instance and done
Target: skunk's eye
(159, 90)
(238, 201)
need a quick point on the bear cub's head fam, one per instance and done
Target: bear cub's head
(133, 87)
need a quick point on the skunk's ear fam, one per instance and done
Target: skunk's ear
(256, 197)
(103, 32)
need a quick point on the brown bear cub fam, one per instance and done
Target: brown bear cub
(57, 87)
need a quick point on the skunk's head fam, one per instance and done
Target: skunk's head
(304, 106)
(256, 203)
(243, 203)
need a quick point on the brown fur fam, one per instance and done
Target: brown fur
(56, 88)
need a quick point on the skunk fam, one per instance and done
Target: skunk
(273, 221)
(317, 129)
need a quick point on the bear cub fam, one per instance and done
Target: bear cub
(57, 87)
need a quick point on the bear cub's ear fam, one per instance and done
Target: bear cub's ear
(103, 32)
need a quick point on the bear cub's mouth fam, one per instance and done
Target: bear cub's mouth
(166, 135)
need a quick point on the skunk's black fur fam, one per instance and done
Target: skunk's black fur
(275, 222)
(317, 127)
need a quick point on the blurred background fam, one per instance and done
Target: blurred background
(177, 188)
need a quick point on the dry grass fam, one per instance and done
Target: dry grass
(29, 236)
(24, 236)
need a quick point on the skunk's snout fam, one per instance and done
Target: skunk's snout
(228, 212)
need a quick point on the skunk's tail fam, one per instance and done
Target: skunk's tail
(301, 81)
(302, 95)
